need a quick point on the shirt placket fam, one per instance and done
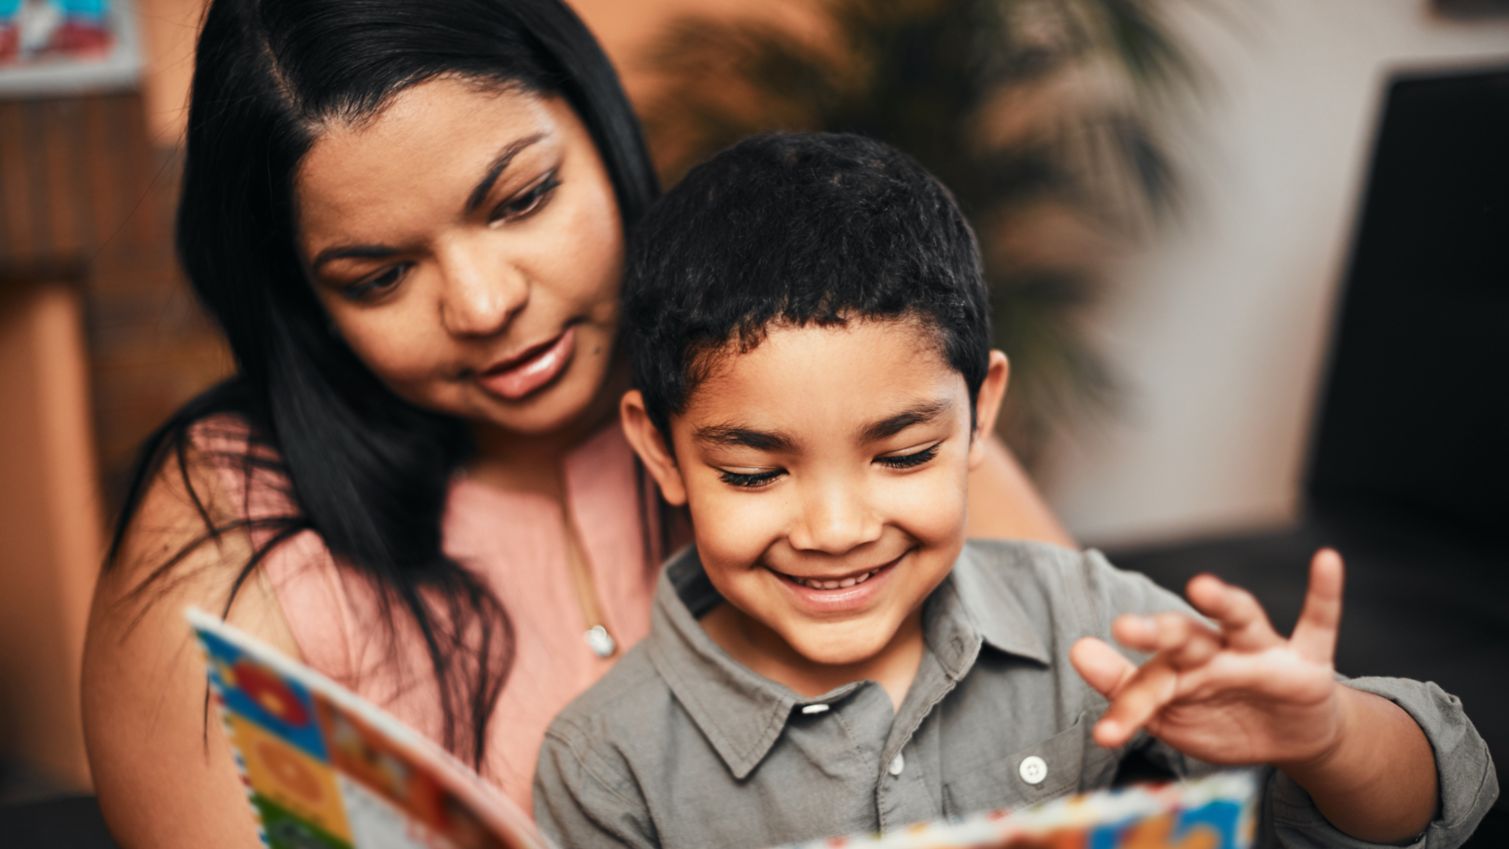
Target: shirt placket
(909, 788)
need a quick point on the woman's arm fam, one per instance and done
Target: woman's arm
(1004, 504)
(162, 766)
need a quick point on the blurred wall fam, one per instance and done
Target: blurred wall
(49, 520)
(1222, 328)
(170, 26)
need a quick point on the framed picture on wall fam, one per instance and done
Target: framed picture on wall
(56, 47)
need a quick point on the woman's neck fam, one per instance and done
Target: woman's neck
(532, 462)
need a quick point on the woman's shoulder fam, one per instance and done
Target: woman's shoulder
(143, 683)
(234, 464)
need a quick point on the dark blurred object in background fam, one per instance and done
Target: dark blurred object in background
(1043, 118)
(1410, 456)
(1472, 8)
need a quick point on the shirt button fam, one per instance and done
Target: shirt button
(1033, 769)
(898, 764)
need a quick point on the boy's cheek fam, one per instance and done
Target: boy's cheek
(930, 514)
(733, 528)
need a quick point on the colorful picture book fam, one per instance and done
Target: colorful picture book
(1218, 811)
(325, 769)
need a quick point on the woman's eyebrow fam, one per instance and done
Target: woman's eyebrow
(495, 170)
(889, 426)
(351, 252)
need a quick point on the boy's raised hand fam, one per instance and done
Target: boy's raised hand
(1235, 693)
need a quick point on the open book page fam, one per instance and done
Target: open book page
(325, 769)
(1215, 812)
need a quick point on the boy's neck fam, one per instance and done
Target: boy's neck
(765, 653)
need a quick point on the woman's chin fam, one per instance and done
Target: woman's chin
(571, 404)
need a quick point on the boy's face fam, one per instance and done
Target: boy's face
(825, 472)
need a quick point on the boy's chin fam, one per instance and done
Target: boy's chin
(842, 649)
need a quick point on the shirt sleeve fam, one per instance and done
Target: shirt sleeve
(1467, 782)
(581, 802)
(1465, 776)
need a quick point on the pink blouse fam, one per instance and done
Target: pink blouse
(516, 542)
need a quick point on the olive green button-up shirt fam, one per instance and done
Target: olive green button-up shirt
(680, 746)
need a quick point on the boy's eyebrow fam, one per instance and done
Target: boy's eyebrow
(891, 425)
(735, 436)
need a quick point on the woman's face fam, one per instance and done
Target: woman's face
(466, 244)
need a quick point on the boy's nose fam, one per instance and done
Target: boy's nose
(835, 519)
(480, 295)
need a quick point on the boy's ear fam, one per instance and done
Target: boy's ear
(652, 446)
(988, 405)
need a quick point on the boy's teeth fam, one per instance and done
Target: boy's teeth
(837, 585)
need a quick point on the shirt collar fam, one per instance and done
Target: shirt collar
(742, 714)
(976, 592)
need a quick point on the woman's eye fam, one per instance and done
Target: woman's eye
(749, 480)
(910, 461)
(526, 203)
(377, 285)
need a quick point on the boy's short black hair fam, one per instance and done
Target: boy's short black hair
(799, 230)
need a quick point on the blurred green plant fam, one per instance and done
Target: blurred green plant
(1040, 116)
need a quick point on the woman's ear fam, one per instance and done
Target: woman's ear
(652, 446)
(988, 405)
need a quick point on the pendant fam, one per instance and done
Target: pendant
(600, 641)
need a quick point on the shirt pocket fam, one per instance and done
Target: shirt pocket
(1067, 762)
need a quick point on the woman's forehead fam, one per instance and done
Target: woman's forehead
(427, 148)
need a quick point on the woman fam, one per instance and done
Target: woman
(409, 221)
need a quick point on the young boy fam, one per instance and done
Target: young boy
(810, 342)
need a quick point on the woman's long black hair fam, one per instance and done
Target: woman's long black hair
(367, 472)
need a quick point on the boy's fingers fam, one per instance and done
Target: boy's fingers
(1101, 666)
(1202, 645)
(1237, 611)
(1139, 700)
(1315, 633)
(1183, 639)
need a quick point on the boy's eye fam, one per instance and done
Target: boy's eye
(910, 461)
(377, 285)
(525, 203)
(750, 480)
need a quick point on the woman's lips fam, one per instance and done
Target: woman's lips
(518, 379)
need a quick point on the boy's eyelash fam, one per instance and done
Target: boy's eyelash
(528, 202)
(756, 480)
(749, 480)
(909, 461)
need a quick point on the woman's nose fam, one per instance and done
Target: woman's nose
(835, 518)
(481, 292)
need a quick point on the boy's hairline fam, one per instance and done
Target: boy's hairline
(700, 359)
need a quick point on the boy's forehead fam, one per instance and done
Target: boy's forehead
(813, 376)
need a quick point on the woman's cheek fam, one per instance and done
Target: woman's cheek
(397, 353)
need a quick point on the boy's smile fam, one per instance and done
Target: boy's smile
(826, 472)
